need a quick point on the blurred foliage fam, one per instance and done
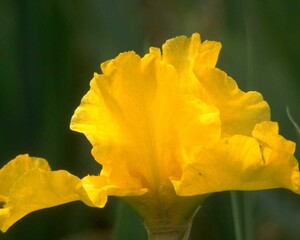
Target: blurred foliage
(48, 53)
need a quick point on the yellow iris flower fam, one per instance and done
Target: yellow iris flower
(168, 130)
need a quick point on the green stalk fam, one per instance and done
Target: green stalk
(180, 232)
(248, 214)
(175, 233)
(236, 216)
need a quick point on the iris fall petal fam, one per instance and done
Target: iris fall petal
(31, 185)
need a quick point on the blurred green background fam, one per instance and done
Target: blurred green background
(48, 53)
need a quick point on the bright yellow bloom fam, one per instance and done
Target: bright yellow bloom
(168, 129)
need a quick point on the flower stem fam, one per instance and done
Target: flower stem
(170, 233)
(236, 215)
(248, 214)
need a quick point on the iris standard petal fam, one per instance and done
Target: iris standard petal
(195, 63)
(151, 118)
(185, 53)
(239, 111)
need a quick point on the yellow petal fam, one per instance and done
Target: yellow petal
(190, 57)
(239, 111)
(184, 53)
(125, 93)
(37, 187)
(274, 147)
(267, 133)
(138, 116)
(181, 52)
(198, 124)
(208, 54)
(92, 115)
(238, 163)
(94, 185)
(13, 170)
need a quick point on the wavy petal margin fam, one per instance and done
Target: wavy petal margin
(263, 161)
(239, 111)
(28, 184)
